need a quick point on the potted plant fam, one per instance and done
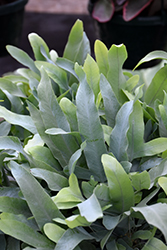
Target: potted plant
(83, 150)
(140, 25)
(11, 19)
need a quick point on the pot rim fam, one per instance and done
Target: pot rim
(12, 7)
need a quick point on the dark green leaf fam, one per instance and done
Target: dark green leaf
(71, 238)
(142, 234)
(3, 242)
(13, 244)
(13, 226)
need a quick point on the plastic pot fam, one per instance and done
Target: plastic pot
(11, 21)
(141, 36)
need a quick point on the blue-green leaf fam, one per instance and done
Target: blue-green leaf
(24, 121)
(39, 123)
(74, 158)
(110, 222)
(111, 103)
(55, 181)
(155, 215)
(39, 202)
(91, 209)
(54, 72)
(14, 205)
(22, 57)
(53, 116)
(158, 54)
(67, 65)
(136, 131)
(118, 139)
(11, 87)
(4, 128)
(90, 126)
(71, 238)
(10, 142)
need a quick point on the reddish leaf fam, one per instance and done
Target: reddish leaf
(103, 10)
(133, 8)
(120, 2)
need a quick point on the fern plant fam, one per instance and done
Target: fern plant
(83, 150)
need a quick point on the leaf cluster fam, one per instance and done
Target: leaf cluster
(83, 150)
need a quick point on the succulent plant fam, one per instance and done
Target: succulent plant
(103, 10)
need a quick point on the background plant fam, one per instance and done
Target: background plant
(103, 10)
(83, 150)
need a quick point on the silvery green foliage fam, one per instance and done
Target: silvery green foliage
(83, 150)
